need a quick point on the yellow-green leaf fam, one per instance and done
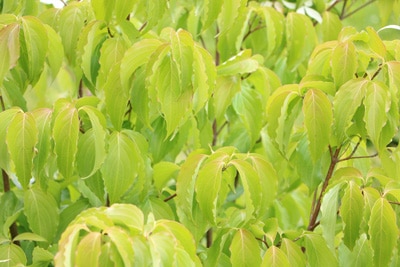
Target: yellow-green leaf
(344, 63)
(245, 250)
(317, 110)
(383, 231)
(274, 257)
(22, 136)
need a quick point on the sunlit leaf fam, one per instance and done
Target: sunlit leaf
(42, 213)
(12, 255)
(120, 167)
(352, 214)
(22, 135)
(65, 134)
(317, 251)
(317, 110)
(383, 231)
(244, 249)
(275, 257)
(293, 253)
(9, 40)
(344, 63)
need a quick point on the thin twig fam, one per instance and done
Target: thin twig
(314, 212)
(343, 9)
(2, 103)
(259, 27)
(63, 2)
(361, 157)
(143, 26)
(7, 188)
(357, 9)
(352, 152)
(376, 72)
(170, 197)
(333, 5)
(263, 241)
(394, 203)
(215, 133)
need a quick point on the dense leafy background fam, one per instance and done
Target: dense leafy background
(214, 133)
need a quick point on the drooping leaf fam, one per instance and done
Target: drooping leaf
(9, 40)
(317, 251)
(352, 213)
(121, 166)
(383, 231)
(275, 257)
(41, 211)
(244, 249)
(71, 21)
(5, 119)
(21, 139)
(136, 56)
(91, 145)
(225, 90)
(300, 38)
(376, 105)
(211, 11)
(208, 184)
(331, 26)
(293, 252)
(344, 63)
(362, 253)
(12, 255)
(317, 110)
(348, 98)
(65, 134)
(34, 47)
(239, 64)
(329, 209)
(43, 122)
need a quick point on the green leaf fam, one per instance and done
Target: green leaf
(111, 52)
(244, 249)
(71, 22)
(251, 186)
(41, 211)
(362, 253)
(293, 252)
(185, 186)
(247, 104)
(29, 237)
(163, 172)
(383, 231)
(328, 220)
(33, 47)
(12, 255)
(275, 30)
(331, 26)
(300, 39)
(347, 100)
(225, 90)
(317, 110)
(239, 64)
(274, 257)
(55, 52)
(103, 9)
(352, 213)
(169, 92)
(21, 140)
(317, 251)
(88, 250)
(91, 146)
(136, 56)
(208, 185)
(121, 165)
(43, 122)
(122, 8)
(230, 11)
(344, 63)
(211, 10)
(116, 98)
(9, 41)
(65, 134)
(375, 43)
(126, 215)
(376, 105)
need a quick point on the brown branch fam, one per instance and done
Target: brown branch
(376, 72)
(343, 9)
(344, 16)
(170, 197)
(352, 152)
(259, 27)
(215, 133)
(143, 26)
(333, 5)
(209, 238)
(394, 203)
(63, 2)
(315, 211)
(263, 241)
(3, 106)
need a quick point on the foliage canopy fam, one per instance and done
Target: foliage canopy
(190, 133)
